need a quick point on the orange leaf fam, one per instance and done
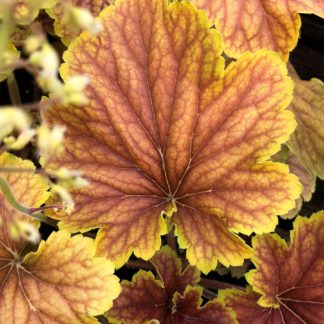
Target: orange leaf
(169, 299)
(188, 309)
(306, 178)
(167, 130)
(292, 279)
(249, 25)
(60, 283)
(247, 310)
(307, 142)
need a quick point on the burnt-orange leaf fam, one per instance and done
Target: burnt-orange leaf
(248, 311)
(249, 25)
(169, 299)
(292, 279)
(62, 282)
(168, 132)
(188, 309)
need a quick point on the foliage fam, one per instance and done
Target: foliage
(172, 298)
(170, 142)
(149, 168)
(288, 282)
(254, 24)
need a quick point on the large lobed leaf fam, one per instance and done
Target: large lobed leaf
(172, 298)
(288, 281)
(249, 25)
(60, 283)
(168, 132)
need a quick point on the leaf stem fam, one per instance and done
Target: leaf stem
(171, 240)
(19, 207)
(13, 90)
(139, 264)
(216, 284)
(209, 294)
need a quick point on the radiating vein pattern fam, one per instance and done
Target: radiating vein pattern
(167, 128)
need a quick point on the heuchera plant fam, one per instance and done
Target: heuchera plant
(184, 140)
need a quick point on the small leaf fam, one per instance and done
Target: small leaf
(292, 278)
(167, 129)
(307, 142)
(168, 299)
(249, 25)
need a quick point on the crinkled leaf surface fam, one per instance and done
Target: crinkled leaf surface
(167, 130)
(307, 142)
(306, 178)
(61, 27)
(60, 283)
(247, 310)
(249, 25)
(292, 278)
(169, 299)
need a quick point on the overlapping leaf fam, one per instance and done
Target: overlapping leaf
(169, 299)
(167, 130)
(61, 24)
(290, 280)
(307, 142)
(60, 283)
(305, 177)
(29, 189)
(249, 25)
(247, 310)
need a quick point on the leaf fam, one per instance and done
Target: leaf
(306, 178)
(307, 142)
(168, 133)
(29, 189)
(292, 278)
(62, 27)
(60, 283)
(188, 309)
(249, 25)
(169, 299)
(247, 309)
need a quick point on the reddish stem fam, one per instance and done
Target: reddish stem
(139, 264)
(216, 284)
(171, 240)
